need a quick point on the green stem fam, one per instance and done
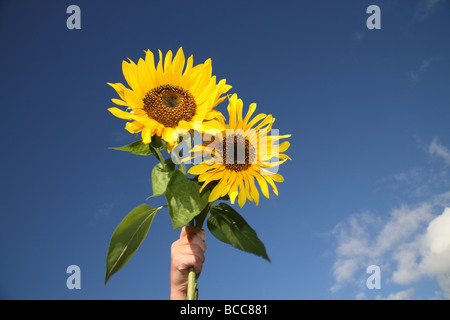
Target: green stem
(192, 285)
(202, 216)
(192, 292)
(157, 154)
(182, 168)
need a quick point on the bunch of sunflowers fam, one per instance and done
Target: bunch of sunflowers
(173, 107)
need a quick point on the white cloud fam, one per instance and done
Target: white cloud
(401, 295)
(413, 240)
(428, 256)
(436, 246)
(437, 149)
(407, 268)
(402, 223)
(411, 243)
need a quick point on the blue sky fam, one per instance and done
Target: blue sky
(368, 111)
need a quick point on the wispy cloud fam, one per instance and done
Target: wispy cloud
(358, 36)
(437, 149)
(415, 74)
(104, 209)
(422, 181)
(426, 8)
(100, 212)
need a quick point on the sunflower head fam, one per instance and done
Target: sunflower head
(169, 96)
(244, 153)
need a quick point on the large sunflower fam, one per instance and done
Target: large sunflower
(235, 172)
(163, 99)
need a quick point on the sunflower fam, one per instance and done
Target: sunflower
(163, 99)
(241, 155)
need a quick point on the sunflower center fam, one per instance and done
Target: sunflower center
(169, 104)
(233, 157)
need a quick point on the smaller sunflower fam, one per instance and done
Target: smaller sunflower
(241, 155)
(173, 95)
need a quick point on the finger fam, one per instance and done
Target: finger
(191, 249)
(188, 232)
(197, 241)
(197, 248)
(192, 232)
(184, 232)
(202, 234)
(193, 259)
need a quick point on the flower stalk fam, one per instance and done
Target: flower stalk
(192, 291)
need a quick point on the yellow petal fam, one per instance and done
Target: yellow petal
(144, 76)
(133, 99)
(262, 184)
(204, 185)
(119, 102)
(168, 66)
(134, 127)
(272, 139)
(213, 125)
(283, 156)
(129, 70)
(232, 111)
(267, 121)
(177, 67)
(159, 70)
(255, 120)
(215, 114)
(215, 194)
(233, 192)
(272, 184)
(120, 88)
(283, 146)
(150, 65)
(202, 168)
(253, 189)
(241, 197)
(120, 114)
(272, 164)
(239, 105)
(184, 125)
(212, 175)
(146, 135)
(250, 111)
(277, 177)
(247, 187)
(225, 182)
(218, 190)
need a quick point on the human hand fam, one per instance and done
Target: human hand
(186, 252)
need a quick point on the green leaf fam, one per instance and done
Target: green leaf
(142, 149)
(136, 147)
(184, 200)
(161, 175)
(127, 237)
(228, 226)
